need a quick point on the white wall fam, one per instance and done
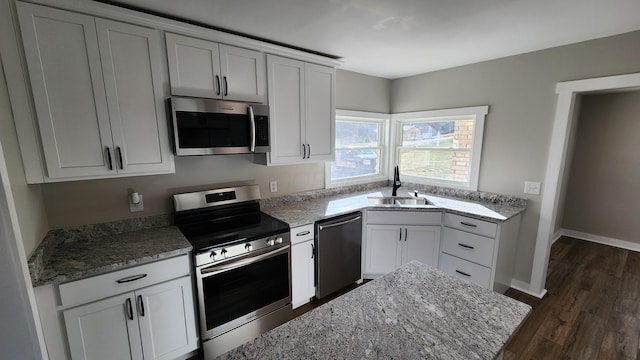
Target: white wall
(520, 91)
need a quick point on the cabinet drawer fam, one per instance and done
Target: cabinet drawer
(472, 225)
(475, 248)
(102, 286)
(400, 217)
(466, 270)
(302, 233)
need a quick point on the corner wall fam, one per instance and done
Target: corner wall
(520, 92)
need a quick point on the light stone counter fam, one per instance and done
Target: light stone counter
(95, 249)
(415, 312)
(308, 209)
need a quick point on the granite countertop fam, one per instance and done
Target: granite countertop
(415, 312)
(307, 211)
(71, 260)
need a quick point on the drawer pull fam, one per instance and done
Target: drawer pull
(468, 224)
(463, 273)
(303, 233)
(466, 246)
(131, 278)
(313, 251)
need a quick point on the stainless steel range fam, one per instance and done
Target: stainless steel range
(243, 265)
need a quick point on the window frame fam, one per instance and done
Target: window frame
(384, 137)
(479, 112)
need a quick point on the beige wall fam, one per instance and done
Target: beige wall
(361, 92)
(603, 190)
(520, 91)
(28, 198)
(95, 201)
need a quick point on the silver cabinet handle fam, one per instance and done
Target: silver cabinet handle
(463, 273)
(466, 246)
(131, 278)
(468, 224)
(128, 308)
(252, 146)
(303, 233)
(140, 305)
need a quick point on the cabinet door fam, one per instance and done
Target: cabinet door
(65, 71)
(104, 330)
(383, 249)
(194, 67)
(286, 108)
(167, 319)
(131, 59)
(243, 74)
(320, 111)
(302, 273)
(422, 243)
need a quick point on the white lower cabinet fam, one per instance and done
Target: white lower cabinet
(302, 265)
(156, 322)
(478, 251)
(393, 238)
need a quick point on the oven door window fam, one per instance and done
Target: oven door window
(204, 130)
(241, 291)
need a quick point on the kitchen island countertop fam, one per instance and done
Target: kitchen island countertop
(415, 312)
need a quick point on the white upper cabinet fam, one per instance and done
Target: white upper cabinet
(302, 111)
(207, 69)
(97, 89)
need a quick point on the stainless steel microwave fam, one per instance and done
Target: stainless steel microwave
(208, 127)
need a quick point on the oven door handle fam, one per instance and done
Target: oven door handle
(217, 269)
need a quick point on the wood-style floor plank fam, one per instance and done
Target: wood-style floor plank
(591, 310)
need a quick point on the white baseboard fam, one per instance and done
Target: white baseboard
(601, 239)
(557, 235)
(525, 288)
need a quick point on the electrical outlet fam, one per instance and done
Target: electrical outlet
(273, 186)
(136, 207)
(532, 187)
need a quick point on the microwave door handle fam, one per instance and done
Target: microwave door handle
(252, 145)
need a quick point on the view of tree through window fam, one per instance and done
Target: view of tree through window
(437, 149)
(358, 149)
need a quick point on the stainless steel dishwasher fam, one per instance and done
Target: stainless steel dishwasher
(338, 244)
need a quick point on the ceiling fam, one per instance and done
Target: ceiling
(398, 38)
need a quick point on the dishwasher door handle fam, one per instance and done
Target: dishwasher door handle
(327, 226)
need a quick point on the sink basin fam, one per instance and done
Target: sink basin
(397, 200)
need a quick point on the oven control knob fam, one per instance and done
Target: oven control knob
(271, 242)
(223, 253)
(279, 240)
(248, 247)
(213, 255)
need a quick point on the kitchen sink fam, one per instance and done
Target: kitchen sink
(398, 200)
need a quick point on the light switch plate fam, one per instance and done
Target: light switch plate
(273, 186)
(532, 187)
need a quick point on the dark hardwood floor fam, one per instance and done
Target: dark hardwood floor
(591, 310)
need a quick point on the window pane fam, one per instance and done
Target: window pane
(449, 134)
(357, 134)
(439, 164)
(351, 163)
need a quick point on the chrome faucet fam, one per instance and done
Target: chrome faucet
(396, 181)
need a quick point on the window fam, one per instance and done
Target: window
(361, 139)
(440, 147)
